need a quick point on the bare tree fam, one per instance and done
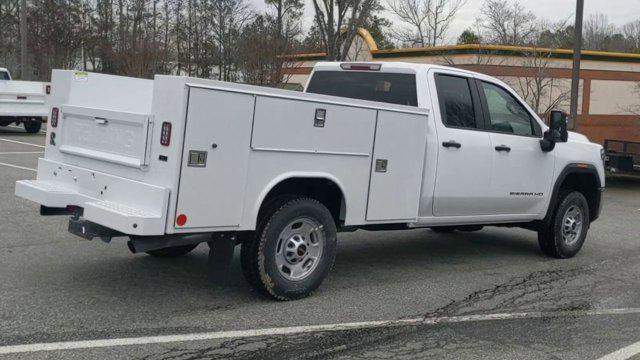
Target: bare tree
(24, 67)
(140, 38)
(338, 21)
(506, 23)
(631, 32)
(9, 32)
(540, 90)
(634, 108)
(229, 17)
(596, 32)
(427, 20)
(282, 27)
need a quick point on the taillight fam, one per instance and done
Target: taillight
(365, 67)
(54, 117)
(48, 89)
(165, 134)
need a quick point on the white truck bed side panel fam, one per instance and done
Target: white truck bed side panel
(396, 174)
(267, 169)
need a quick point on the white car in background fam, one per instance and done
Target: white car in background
(23, 102)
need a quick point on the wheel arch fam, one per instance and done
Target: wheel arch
(581, 177)
(323, 187)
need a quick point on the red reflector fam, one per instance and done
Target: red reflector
(165, 134)
(365, 67)
(54, 117)
(181, 220)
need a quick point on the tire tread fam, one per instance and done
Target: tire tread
(252, 255)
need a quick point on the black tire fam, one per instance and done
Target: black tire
(470, 228)
(171, 252)
(259, 254)
(33, 125)
(551, 239)
(443, 229)
(249, 271)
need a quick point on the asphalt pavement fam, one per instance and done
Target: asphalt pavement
(406, 294)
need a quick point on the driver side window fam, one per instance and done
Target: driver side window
(506, 114)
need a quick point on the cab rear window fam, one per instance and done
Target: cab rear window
(4, 75)
(373, 86)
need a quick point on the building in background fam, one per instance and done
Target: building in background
(609, 95)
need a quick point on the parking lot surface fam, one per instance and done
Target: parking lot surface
(409, 294)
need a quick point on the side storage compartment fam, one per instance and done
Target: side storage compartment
(214, 159)
(312, 127)
(396, 170)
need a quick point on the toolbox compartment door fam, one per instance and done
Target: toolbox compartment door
(112, 136)
(396, 170)
(214, 159)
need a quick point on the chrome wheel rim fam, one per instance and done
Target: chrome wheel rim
(299, 248)
(572, 225)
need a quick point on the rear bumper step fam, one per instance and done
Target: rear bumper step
(128, 207)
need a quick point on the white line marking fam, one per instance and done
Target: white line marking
(624, 353)
(21, 142)
(18, 167)
(21, 152)
(91, 344)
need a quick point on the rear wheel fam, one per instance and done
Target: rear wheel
(172, 251)
(33, 125)
(293, 249)
(567, 229)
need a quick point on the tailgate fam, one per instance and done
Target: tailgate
(114, 136)
(98, 153)
(23, 98)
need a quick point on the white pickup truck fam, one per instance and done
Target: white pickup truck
(176, 161)
(23, 102)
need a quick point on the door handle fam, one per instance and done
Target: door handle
(452, 143)
(503, 148)
(101, 121)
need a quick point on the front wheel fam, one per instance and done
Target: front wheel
(293, 249)
(564, 236)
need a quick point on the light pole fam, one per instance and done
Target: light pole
(575, 74)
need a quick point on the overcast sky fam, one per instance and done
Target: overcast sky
(618, 11)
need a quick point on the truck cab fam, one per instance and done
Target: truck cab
(4, 74)
(176, 161)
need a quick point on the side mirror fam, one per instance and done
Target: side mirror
(558, 126)
(557, 131)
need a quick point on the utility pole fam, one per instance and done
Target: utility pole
(575, 75)
(24, 67)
